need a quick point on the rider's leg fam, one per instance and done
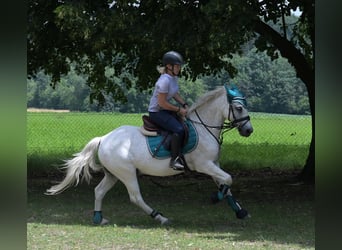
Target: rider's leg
(167, 120)
(176, 143)
(175, 162)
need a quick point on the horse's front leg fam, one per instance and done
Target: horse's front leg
(224, 192)
(224, 181)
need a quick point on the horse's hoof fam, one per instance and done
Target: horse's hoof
(101, 223)
(242, 213)
(104, 222)
(214, 198)
(165, 222)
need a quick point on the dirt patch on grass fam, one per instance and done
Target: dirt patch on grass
(48, 110)
(258, 185)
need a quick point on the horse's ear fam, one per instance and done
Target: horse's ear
(231, 86)
(234, 93)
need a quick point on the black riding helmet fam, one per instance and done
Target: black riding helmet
(172, 57)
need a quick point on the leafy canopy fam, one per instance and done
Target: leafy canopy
(131, 36)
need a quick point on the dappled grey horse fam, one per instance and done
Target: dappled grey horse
(124, 151)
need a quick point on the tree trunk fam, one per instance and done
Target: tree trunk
(307, 175)
(307, 75)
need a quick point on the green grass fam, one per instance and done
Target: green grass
(280, 141)
(48, 131)
(277, 129)
(263, 167)
(282, 216)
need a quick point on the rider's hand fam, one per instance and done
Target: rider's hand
(183, 111)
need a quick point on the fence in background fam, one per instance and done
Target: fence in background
(277, 139)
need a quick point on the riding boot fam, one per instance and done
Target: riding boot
(176, 162)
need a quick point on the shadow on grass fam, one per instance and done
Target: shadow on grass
(282, 210)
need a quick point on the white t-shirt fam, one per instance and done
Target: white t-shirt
(165, 84)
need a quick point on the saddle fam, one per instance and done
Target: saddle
(149, 128)
(159, 140)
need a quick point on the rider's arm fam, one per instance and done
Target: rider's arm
(163, 103)
(180, 100)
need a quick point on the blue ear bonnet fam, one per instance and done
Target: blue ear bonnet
(234, 94)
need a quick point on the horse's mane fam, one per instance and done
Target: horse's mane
(206, 98)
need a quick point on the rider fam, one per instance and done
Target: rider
(162, 112)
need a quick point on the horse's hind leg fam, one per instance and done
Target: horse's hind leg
(131, 182)
(101, 189)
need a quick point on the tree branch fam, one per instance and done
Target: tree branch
(289, 51)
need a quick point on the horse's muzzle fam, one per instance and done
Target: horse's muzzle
(246, 129)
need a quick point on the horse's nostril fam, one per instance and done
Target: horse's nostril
(249, 131)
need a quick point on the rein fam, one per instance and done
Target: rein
(226, 126)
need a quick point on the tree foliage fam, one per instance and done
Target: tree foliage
(131, 35)
(270, 86)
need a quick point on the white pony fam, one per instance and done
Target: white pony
(123, 152)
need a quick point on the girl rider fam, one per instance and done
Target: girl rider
(162, 112)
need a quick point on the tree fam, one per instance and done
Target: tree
(270, 85)
(68, 94)
(131, 35)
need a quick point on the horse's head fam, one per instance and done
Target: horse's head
(238, 113)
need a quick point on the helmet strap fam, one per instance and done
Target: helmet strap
(171, 70)
(173, 73)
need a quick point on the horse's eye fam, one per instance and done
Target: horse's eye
(239, 108)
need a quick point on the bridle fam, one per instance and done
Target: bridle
(235, 122)
(226, 126)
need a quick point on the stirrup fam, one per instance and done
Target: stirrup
(176, 164)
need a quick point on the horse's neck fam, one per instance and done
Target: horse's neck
(210, 114)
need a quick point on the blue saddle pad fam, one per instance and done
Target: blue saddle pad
(153, 143)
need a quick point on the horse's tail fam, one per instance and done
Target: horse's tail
(77, 166)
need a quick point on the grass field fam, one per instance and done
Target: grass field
(263, 167)
(282, 215)
(278, 141)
